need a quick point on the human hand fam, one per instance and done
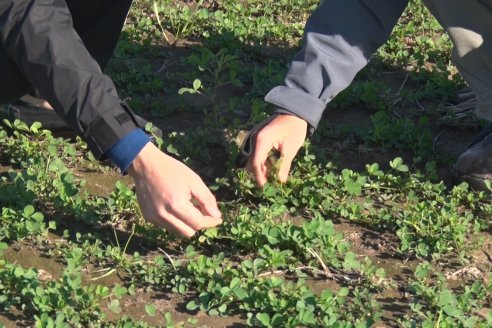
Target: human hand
(165, 190)
(286, 134)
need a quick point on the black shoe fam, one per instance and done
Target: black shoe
(8, 113)
(474, 166)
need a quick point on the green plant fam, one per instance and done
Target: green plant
(437, 306)
(324, 249)
(222, 68)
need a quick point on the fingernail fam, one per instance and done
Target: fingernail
(217, 213)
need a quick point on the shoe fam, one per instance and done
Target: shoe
(7, 113)
(474, 166)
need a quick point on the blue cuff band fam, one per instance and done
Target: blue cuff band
(124, 151)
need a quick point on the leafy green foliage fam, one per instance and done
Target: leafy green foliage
(426, 218)
(20, 224)
(277, 243)
(436, 305)
(64, 302)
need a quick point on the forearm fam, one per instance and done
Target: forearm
(38, 35)
(339, 38)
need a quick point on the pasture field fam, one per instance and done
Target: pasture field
(371, 230)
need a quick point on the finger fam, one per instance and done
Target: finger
(283, 172)
(188, 214)
(287, 156)
(260, 156)
(210, 222)
(206, 199)
(249, 165)
(173, 225)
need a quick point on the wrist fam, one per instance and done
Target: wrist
(310, 128)
(296, 122)
(139, 162)
(126, 149)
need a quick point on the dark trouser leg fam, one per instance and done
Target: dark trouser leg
(98, 22)
(12, 82)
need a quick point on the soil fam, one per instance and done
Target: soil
(380, 247)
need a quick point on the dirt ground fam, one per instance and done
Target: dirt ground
(380, 247)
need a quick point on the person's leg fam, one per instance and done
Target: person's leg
(469, 25)
(99, 24)
(13, 84)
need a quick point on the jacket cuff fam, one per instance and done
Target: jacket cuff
(125, 150)
(108, 128)
(297, 103)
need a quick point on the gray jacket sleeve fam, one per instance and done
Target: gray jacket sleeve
(39, 37)
(339, 38)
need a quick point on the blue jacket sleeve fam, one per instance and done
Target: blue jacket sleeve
(126, 149)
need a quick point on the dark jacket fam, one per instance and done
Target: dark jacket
(38, 35)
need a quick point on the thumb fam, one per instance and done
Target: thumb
(285, 163)
(206, 199)
(258, 162)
